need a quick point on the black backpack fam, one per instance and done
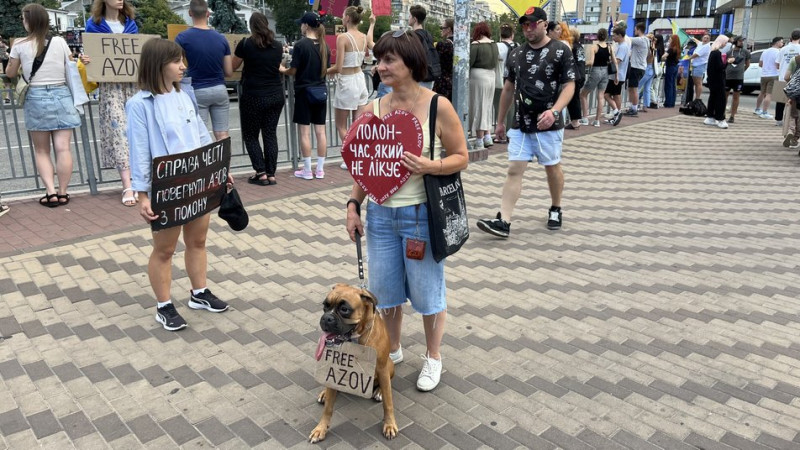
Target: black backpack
(434, 68)
(695, 108)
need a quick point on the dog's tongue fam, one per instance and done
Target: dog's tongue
(321, 344)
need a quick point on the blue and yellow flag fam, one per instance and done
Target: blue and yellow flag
(679, 31)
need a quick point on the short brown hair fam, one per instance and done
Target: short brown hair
(418, 12)
(157, 53)
(408, 47)
(198, 8)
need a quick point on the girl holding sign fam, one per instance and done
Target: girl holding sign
(49, 109)
(398, 227)
(163, 120)
(114, 16)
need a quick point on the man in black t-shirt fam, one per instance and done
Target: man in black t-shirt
(540, 77)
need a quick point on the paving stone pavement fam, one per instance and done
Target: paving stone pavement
(664, 315)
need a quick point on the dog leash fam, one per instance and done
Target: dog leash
(360, 261)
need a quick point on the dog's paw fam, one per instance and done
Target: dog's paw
(318, 434)
(321, 397)
(390, 430)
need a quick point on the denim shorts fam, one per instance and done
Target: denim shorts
(544, 145)
(699, 71)
(214, 100)
(394, 278)
(50, 108)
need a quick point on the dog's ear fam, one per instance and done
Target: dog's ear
(369, 297)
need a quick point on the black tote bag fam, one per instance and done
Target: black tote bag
(447, 209)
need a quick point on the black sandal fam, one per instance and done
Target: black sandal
(49, 200)
(65, 199)
(271, 180)
(256, 179)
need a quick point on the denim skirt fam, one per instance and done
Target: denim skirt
(49, 108)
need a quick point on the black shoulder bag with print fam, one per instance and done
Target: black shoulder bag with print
(447, 208)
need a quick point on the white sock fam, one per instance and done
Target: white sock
(198, 291)
(307, 164)
(163, 304)
(320, 162)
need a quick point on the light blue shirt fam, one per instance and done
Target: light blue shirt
(161, 125)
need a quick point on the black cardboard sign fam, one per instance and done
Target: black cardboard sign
(188, 185)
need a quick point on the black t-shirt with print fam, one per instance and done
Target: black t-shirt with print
(538, 75)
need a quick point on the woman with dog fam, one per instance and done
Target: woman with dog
(403, 217)
(163, 120)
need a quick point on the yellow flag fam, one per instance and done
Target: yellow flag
(520, 6)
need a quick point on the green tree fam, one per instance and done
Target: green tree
(153, 16)
(224, 18)
(10, 22)
(434, 28)
(285, 13)
(382, 24)
(50, 4)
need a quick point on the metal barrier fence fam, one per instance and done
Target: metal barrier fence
(18, 175)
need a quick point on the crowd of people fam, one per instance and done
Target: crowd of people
(528, 92)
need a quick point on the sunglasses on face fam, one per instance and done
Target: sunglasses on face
(531, 25)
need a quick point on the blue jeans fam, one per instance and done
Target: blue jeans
(645, 84)
(670, 86)
(393, 277)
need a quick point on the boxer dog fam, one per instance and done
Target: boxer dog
(350, 312)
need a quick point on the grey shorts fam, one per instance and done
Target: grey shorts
(597, 79)
(214, 100)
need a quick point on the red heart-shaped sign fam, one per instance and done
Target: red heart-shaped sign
(373, 148)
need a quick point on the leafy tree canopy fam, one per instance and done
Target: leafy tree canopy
(10, 12)
(224, 18)
(153, 16)
(434, 28)
(285, 13)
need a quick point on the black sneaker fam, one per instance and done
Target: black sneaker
(730, 120)
(208, 301)
(632, 113)
(168, 317)
(497, 227)
(554, 219)
(617, 118)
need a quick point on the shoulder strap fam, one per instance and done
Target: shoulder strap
(432, 121)
(37, 63)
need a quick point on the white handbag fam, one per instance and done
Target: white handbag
(75, 84)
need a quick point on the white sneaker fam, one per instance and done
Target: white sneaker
(487, 141)
(430, 375)
(722, 124)
(778, 123)
(766, 115)
(584, 121)
(611, 115)
(710, 121)
(758, 112)
(397, 357)
(596, 123)
(344, 166)
(478, 144)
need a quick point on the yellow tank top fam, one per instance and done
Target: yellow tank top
(413, 191)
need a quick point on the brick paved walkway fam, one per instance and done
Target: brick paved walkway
(664, 314)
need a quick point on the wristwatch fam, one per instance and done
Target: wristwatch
(556, 114)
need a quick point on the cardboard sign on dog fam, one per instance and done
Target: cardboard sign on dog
(374, 147)
(348, 367)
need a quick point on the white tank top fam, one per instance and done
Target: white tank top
(354, 58)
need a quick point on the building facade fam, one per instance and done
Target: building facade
(598, 11)
(768, 19)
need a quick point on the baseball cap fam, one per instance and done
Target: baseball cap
(533, 14)
(310, 18)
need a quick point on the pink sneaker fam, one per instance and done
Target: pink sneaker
(320, 174)
(304, 174)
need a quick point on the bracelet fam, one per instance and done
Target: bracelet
(355, 202)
